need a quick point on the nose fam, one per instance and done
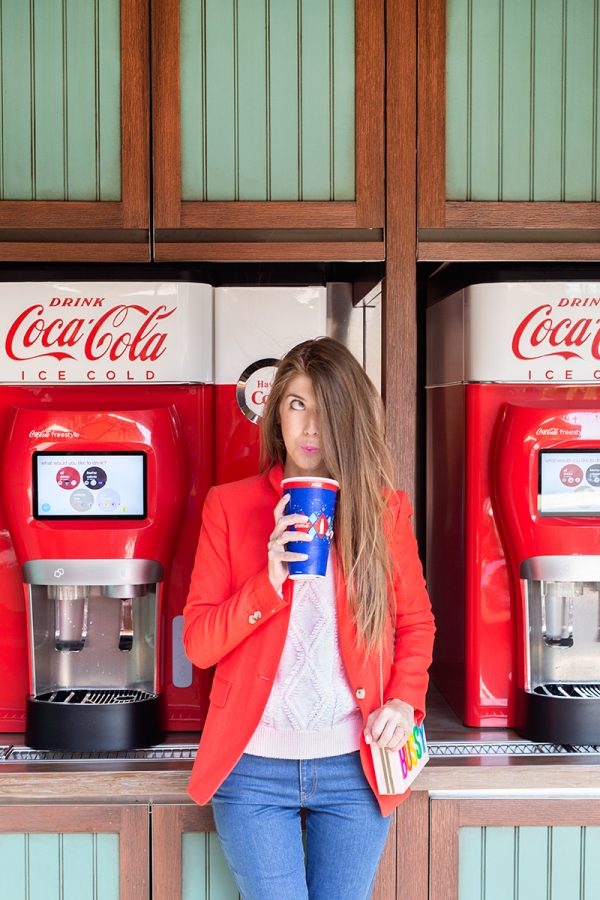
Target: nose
(310, 426)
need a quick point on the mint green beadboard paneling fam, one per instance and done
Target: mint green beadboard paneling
(59, 866)
(267, 100)
(523, 100)
(205, 874)
(529, 863)
(60, 100)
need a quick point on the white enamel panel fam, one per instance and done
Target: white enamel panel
(105, 332)
(254, 323)
(517, 332)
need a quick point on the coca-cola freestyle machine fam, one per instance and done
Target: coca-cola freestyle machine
(112, 424)
(513, 510)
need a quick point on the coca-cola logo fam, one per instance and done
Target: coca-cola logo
(127, 331)
(555, 431)
(542, 333)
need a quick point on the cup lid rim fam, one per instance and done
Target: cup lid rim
(309, 479)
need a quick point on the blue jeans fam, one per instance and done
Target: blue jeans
(257, 813)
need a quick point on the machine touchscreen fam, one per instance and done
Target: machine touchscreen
(74, 485)
(569, 482)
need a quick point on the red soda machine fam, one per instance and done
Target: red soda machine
(108, 414)
(513, 508)
(106, 418)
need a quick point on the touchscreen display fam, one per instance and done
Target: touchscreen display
(89, 485)
(569, 482)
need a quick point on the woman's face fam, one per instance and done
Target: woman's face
(300, 428)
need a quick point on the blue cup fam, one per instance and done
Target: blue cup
(315, 498)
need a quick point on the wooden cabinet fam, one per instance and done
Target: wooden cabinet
(74, 853)
(74, 131)
(268, 129)
(514, 849)
(509, 130)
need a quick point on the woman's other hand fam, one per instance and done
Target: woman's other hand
(279, 557)
(390, 725)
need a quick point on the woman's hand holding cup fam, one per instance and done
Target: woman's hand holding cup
(278, 555)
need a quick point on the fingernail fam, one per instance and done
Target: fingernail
(368, 738)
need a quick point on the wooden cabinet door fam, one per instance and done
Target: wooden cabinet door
(74, 131)
(268, 129)
(509, 129)
(515, 849)
(74, 853)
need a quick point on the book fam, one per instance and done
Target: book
(396, 770)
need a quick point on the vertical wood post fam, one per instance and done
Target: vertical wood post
(400, 322)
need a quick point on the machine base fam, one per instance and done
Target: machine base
(94, 728)
(558, 720)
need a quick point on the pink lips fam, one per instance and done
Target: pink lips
(310, 450)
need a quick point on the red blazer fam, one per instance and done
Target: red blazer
(230, 587)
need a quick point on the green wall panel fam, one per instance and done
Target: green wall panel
(60, 100)
(205, 873)
(267, 100)
(59, 866)
(529, 863)
(523, 100)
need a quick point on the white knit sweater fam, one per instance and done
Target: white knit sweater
(311, 711)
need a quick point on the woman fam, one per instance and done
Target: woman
(301, 667)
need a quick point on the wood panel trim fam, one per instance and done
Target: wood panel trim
(385, 880)
(67, 819)
(370, 113)
(166, 852)
(331, 251)
(135, 113)
(399, 309)
(444, 849)
(528, 812)
(366, 212)
(274, 214)
(62, 251)
(166, 113)
(197, 818)
(490, 251)
(537, 214)
(432, 113)
(413, 847)
(61, 214)
(134, 853)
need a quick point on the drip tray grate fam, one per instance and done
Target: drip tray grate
(97, 698)
(566, 689)
(505, 748)
(168, 753)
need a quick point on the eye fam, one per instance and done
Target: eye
(296, 404)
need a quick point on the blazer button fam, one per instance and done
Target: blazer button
(360, 693)
(252, 620)
(258, 614)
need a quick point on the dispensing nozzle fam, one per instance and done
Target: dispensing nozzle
(70, 616)
(126, 593)
(557, 612)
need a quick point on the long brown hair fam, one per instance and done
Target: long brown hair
(352, 440)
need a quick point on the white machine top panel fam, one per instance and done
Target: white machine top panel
(545, 332)
(105, 332)
(256, 323)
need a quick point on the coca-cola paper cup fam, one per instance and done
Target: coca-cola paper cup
(315, 498)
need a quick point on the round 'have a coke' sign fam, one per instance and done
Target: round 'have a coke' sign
(253, 387)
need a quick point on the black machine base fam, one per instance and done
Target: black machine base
(94, 728)
(558, 720)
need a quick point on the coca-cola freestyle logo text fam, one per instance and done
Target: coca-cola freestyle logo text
(548, 333)
(123, 333)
